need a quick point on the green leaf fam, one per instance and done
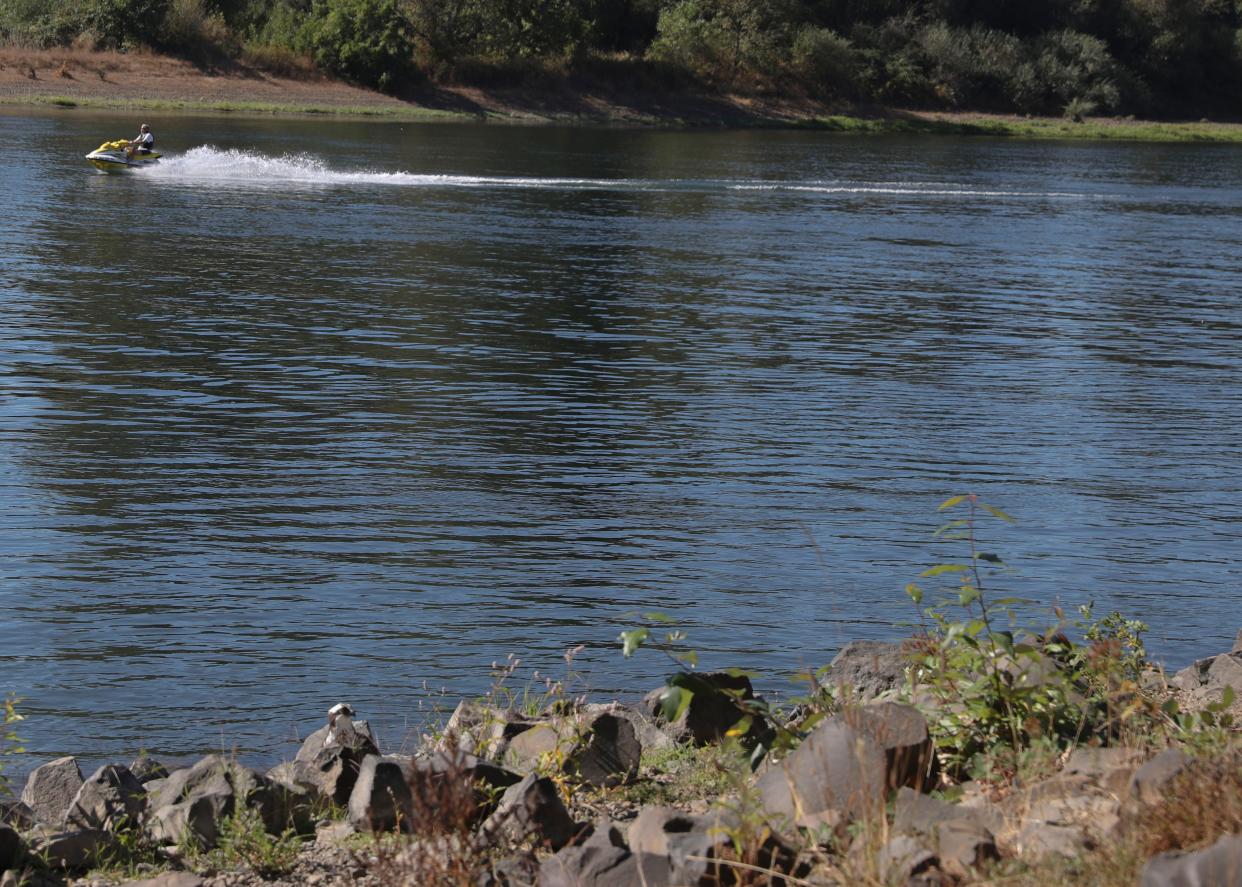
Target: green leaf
(662, 618)
(741, 673)
(951, 525)
(940, 569)
(1227, 696)
(632, 640)
(675, 637)
(997, 513)
(674, 701)
(916, 593)
(950, 502)
(690, 658)
(741, 728)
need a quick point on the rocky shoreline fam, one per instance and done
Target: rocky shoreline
(588, 794)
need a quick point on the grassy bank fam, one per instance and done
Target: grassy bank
(878, 124)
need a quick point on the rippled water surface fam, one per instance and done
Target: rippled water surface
(322, 410)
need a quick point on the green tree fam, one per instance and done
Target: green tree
(367, 41)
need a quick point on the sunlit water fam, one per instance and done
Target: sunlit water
(320, 410)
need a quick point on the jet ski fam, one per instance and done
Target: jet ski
(113, 157)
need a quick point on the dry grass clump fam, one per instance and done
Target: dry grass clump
(1198, 807)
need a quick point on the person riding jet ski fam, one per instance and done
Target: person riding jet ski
(144, 144)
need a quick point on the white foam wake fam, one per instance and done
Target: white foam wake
(208, 166)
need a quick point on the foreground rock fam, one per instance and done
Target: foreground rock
(1218, 866)
(193, 802)
(111, 799)
(848, 765)
(598, 748)
(870, 670)
(713, 709)
(51, 788)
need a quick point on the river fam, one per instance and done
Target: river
(322, 410)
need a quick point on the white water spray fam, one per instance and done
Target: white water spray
(208, 166)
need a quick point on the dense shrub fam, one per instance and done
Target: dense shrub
(824, 61)
(366, 41)
(124, 23)
(725, 41)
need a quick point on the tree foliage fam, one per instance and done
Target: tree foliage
(1179, 56)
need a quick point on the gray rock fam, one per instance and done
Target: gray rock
(381, 799)
(11, 847)
(533, 809)
(602, 860)
(612, 751)
(147, 769)
(17, 814)
(192, 802)
(646, 730)
(712, 711)
(330, 773)
(919, 814)
(480, 729)
(848, 765)
(870, 669)
(1039, 839)
(111, 799)
(517, 870)
(1150, 780)
(901, 730)
(964, 846)
(73, 849)
(600, 749)
(1217, 866)
(687, 846)
(51, 788)
(902, 858)
(1237, 643)
(1214, 671)
(357, 736)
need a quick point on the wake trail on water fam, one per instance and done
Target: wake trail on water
(208, 166)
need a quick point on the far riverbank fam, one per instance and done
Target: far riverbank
(72, 79)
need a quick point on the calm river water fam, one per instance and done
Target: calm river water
(326, 410)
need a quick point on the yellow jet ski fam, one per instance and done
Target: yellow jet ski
(115, 157)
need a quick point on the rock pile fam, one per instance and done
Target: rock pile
(494, 786)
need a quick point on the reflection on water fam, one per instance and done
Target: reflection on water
(323, 410)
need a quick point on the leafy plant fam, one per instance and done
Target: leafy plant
(244, 841)
(992, 689)
(10, 743)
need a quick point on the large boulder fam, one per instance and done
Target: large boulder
(688, 846)
(329, 759)
(457, 785)
(713, 709)
(868, 670)
(1205, 682)
(530, 809)
(1217, 866)
(72, 849)
(111, 799)
(600, 749)
(51, 788)
(848, 766)
(381, 800)
(1150, 780)
(603, 860)
(194, 801)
